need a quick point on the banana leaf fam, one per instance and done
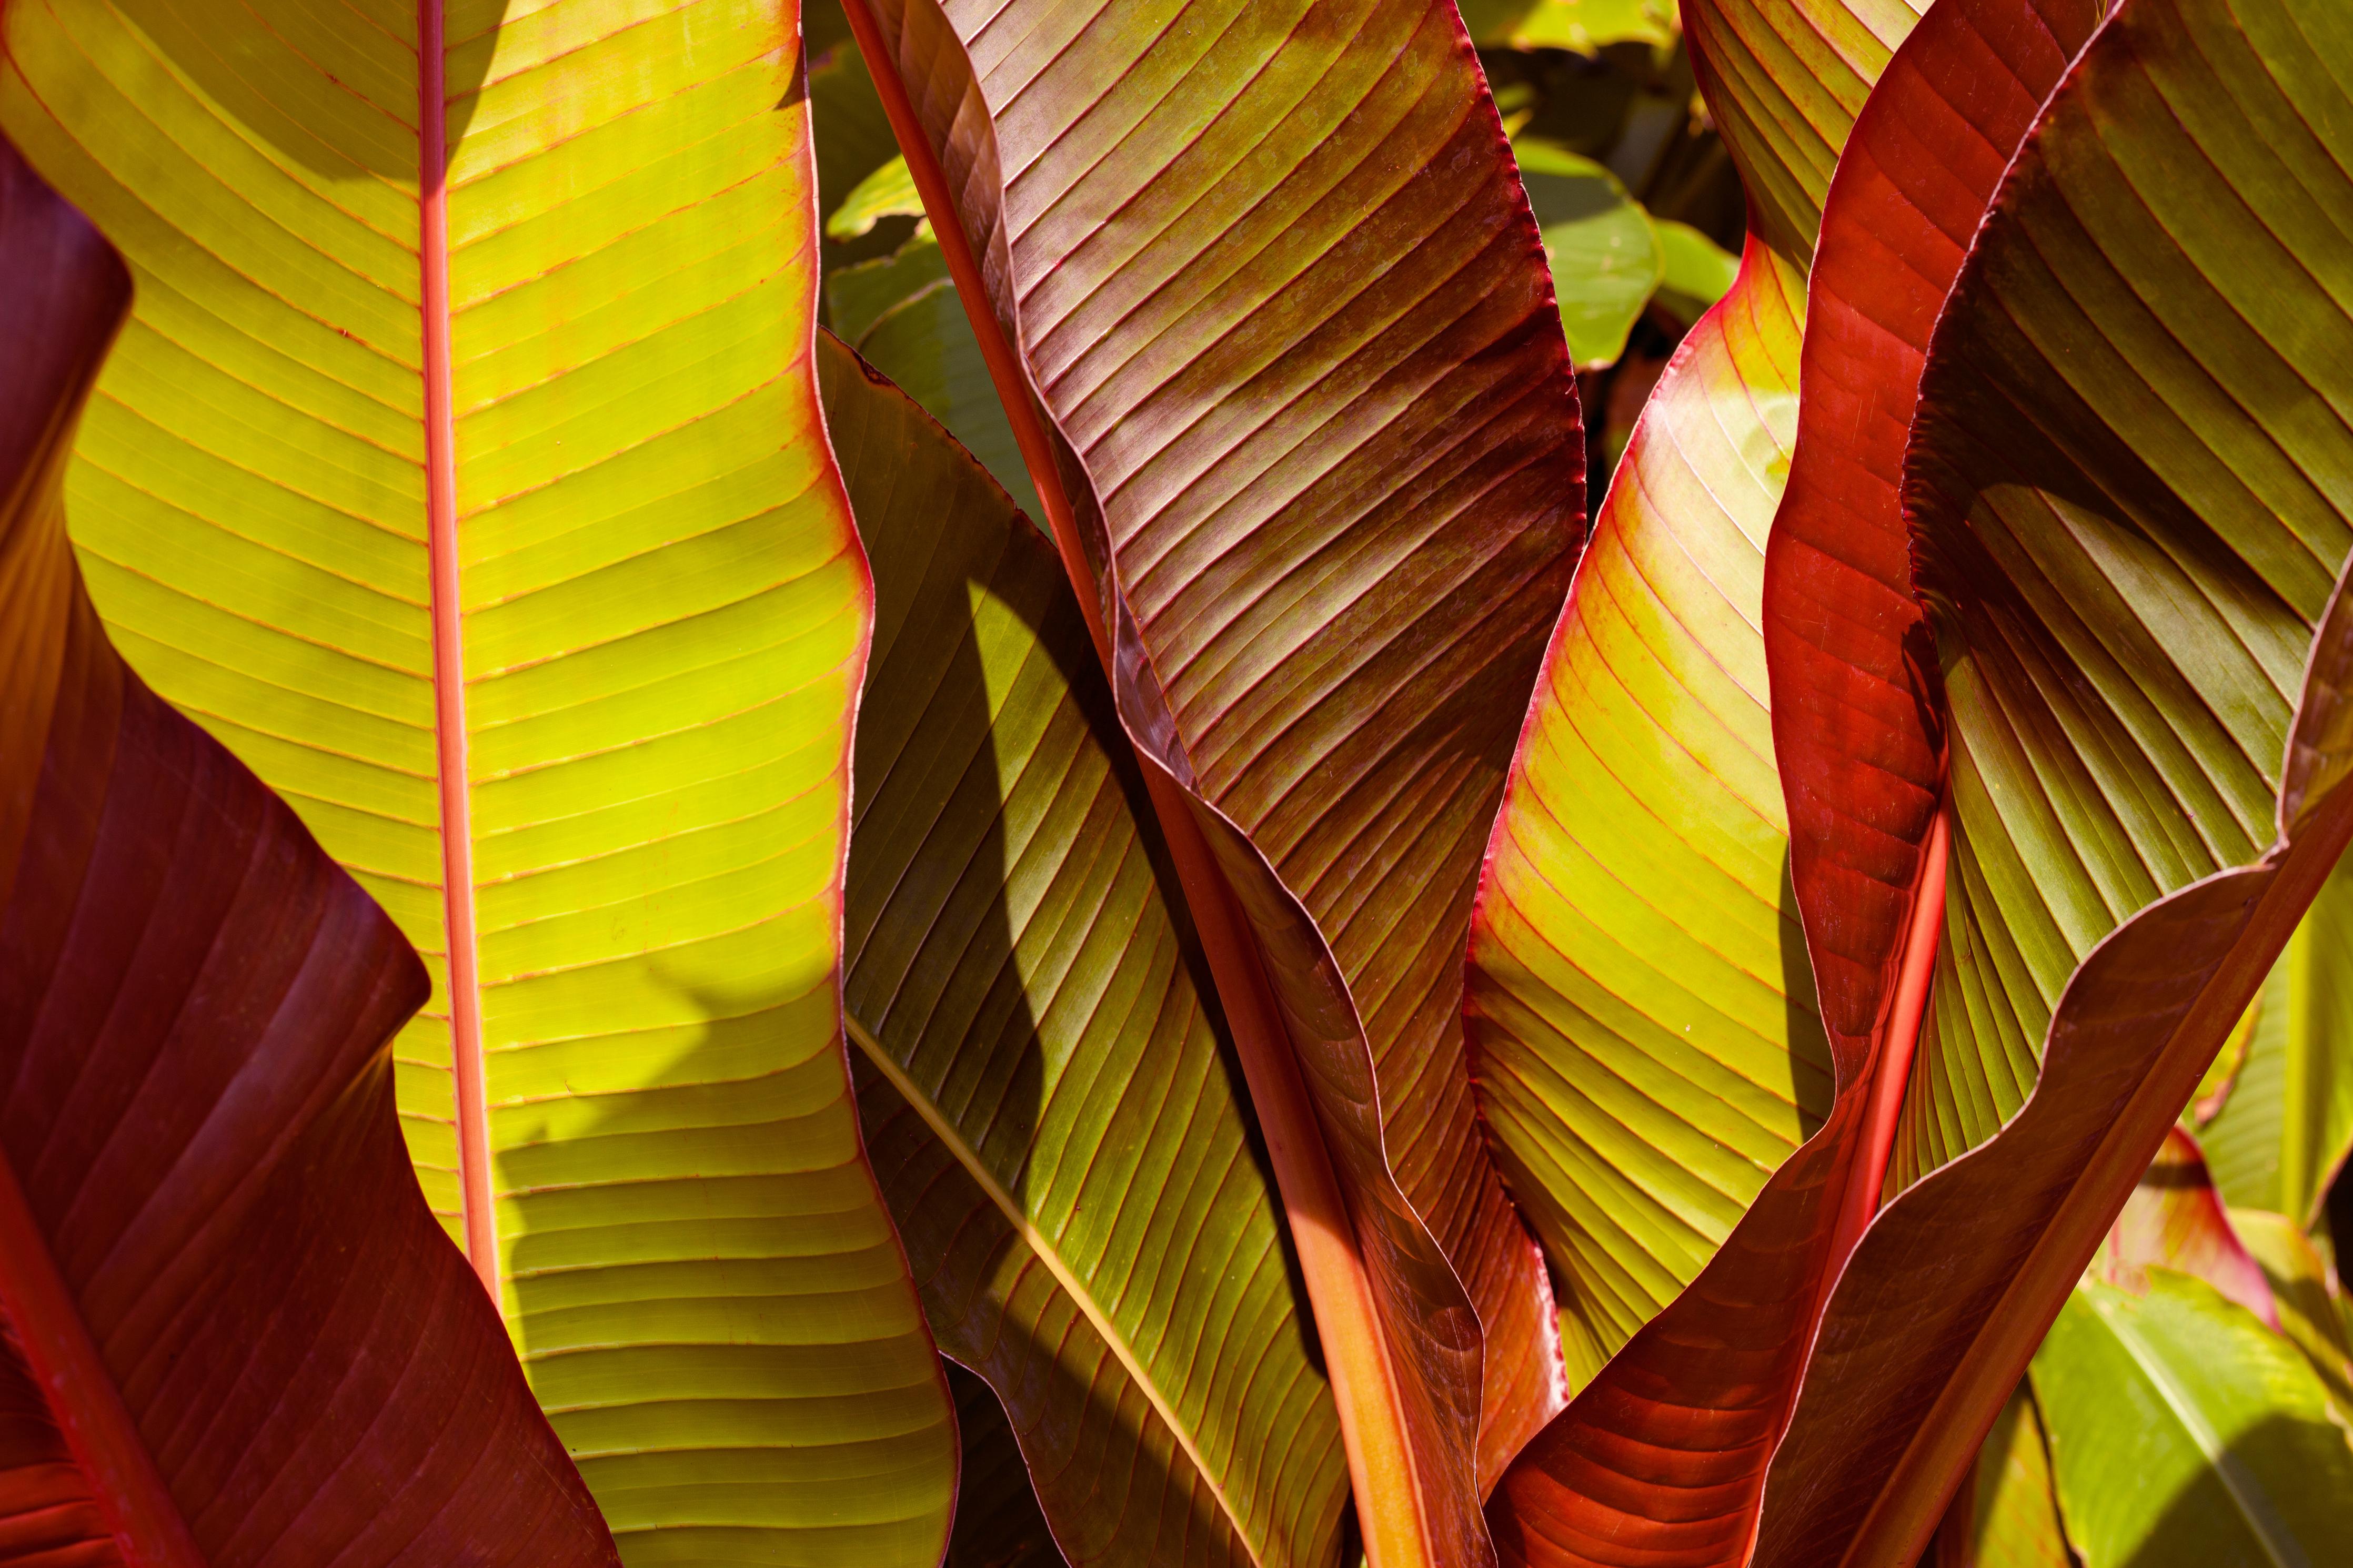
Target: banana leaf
(2182, 1432)
(1662, 1458)
(1051, 1103)
(233, 1332)
(1311, 454)
(2133, 589)
(461, 470)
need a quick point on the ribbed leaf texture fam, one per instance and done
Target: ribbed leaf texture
(2124, 537)
(234, 1333)
(1641, 1014)
(1783, 81)
(548, 617)
(2016, 1521)
(1662, 1460)
(1054, 1116)
(2175, 1220)
(1272, 285)
(2183, 1432)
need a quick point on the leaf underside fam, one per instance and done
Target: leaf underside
(1054, 1117)
(661, 610)
(231, 1282)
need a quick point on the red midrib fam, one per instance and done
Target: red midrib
(449, 656)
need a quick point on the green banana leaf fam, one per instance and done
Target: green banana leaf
(1640, 1013)
(923, 341)
(1606, 257)
(1783, 81)
(2306, 1299)
(2280, 1134)
(2016, 1522)
(1051, 1108)
(888, 192)
(554, 642)
(2183, 1432)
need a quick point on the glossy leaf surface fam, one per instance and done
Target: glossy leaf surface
(1783, 81)
(2183, 1432)
(234, 1333)
(1640, 1014)
(1323, 460)
(2176, 792)
(1049, 1105)
(555, 642)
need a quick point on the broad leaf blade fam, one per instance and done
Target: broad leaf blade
(1329, 524)
(609, 737)
(2306, 1294)
(2184, 1433)
(1640, 1014)
(235, 1334)
(1052, 1113)
(2178, 793)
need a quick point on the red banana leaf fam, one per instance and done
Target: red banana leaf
(1306, 434)
(1663, 1460)
(2124, 538)
(235, 1335)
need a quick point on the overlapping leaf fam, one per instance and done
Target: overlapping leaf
(2125, 535)
(2185, 1433)
(559, 651)
(1639, 1016)
(1054, 1117)
(1312, 411)
(1663, 1459)
(2279, 1135)
(2016, 1521)
(234, 1333)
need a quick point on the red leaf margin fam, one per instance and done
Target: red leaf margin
(247, 1339)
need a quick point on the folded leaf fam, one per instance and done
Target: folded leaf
(234, 1333)
(2184, 1433)
(2279, 1137)
(2174, 1220)
(1322, 460)
(1639, 1016)
(2136, 635)
(1053, 1115)
(549, 619)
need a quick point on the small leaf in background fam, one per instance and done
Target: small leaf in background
(1606, 257)
(852, 138)
(1698, 272)
(888, 192)
(2016, 1523)
(924, 343)
(1584, 26)
(2185, 1433)
(857, 297)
